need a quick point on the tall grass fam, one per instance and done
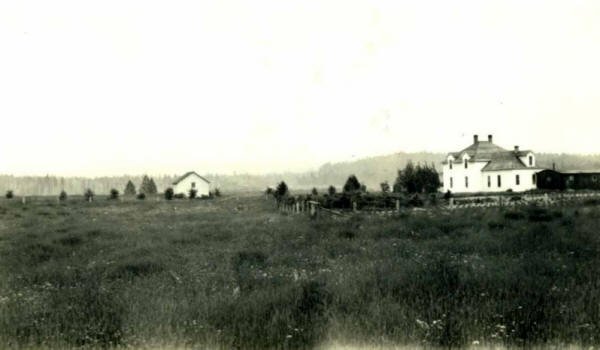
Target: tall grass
(233, 273)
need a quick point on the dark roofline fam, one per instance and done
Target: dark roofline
(188, 174)
(573, 172)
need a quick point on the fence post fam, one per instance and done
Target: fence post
(397, 205)
(354, 207)
(24, 199)
(450, 202)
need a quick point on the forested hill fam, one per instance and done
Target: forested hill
(370, 171)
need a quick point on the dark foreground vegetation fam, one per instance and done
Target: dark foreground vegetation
(233, 273)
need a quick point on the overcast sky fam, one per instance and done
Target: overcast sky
(114, 87)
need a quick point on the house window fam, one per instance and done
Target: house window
(489, 181)
(517, 180)
(533, 179)
(499, 181)
(466, 164)
(466, 182)
(450, 182)
(530, 161)
(193, 185)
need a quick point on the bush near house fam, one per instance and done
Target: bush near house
(169, 193)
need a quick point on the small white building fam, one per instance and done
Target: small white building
(486, 167)
(191, 180)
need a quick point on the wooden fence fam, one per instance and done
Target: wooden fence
(314, 208)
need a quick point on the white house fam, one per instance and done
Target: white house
(191, 180)
(486, 167)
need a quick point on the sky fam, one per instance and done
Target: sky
(95, 88)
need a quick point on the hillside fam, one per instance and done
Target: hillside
(370, 171)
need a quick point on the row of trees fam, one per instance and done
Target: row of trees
(412, 179)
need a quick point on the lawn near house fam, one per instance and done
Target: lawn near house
(234, 273)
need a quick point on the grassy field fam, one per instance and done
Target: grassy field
(234, 273)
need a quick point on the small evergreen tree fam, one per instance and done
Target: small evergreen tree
(217, 192)
(62, 196)
(281, 191)
(314, 191)
(9, 194)
(169, 194)
(352, 185)
(269, 191)
(148, 186)
(152, 188)
(114, 194)
(129, 189)
(331, 190)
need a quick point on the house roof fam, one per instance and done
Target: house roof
(581, 171)
(506, 160)
(188, 174)
(497, 157)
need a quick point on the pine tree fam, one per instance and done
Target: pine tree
(129, 189)
(281, 191)
(145, 184)
(331, 190)
(152, 187)
(352, 185)
(148, 186)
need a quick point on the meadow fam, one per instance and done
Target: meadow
(232, 272)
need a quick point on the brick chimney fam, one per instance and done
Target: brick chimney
(490, 138)
(475, 139)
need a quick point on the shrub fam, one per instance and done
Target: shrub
(9, 194)
(314, 191)
(62, 196)
(415, 201)
(141, 196)
(169, 193)
(217, 192)
(88, 195)
(385, 187)
(114, 194)
(447, 195)
(192, 193)
(331, 190)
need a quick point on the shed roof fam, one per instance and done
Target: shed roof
(188, 174)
